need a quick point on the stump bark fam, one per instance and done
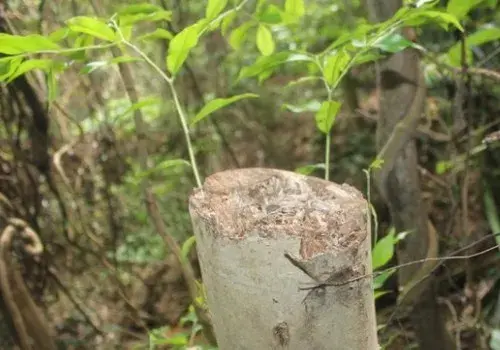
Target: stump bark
(284, 259)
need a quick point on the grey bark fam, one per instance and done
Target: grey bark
(262, 235)
(402, 187)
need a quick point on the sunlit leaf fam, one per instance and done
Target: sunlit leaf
(460, 8)
(334, 67)
(217, 104)
(271, 15)
(308, 169)
(187, 246)
(214, 8)
(443, 19)
(393, 42)
(294, 8)
(480, 37)
(159, 33)
(18, 44)
(8, 66)
(181, 45)
(238, 35)
(264, 40)
(266, 63)
(28, 65)
(325, 117)
(91, 26)
(383, 251)
(310, 106)
(227, 21)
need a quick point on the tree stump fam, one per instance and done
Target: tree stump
(284, 259)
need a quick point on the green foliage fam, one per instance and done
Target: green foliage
(217, 104)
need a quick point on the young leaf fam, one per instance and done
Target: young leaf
(325, 117)
(28, 65)
(92, 66)
(271, 15)
(265, 42)
(308, 169)
(181, 45)
(238, 35)
(393, 42)
(214, 7)
(91, 26)
(294, 8)
(444, 19)
(18, 44)
(266, 63)
(218, 103)
(186, 247)
(8, 66)
(334, 66)
(159, 33)
(460, 8)
(383, 251)
(226, 22)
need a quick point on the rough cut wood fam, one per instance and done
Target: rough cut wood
(262, 236)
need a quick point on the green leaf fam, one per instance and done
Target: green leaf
(226, 22)
(310, 106)
(271, 15)
(159, 33)
(379, 279)
(91, 26)
(181, 45)
(148, 101)
(393, 42)
(92, 66)
(421, 17)
(59, 34)
(460, 8)
(217, 104)
(214, 7)
(294, 8)
(308, 169)
(443, 166)
(378, 293)
(52, 87)
(334, 67)
(265, 42)
(480, 37)
(266, 63)
(187, 246)
(383, 251)
(8, 66)
(18, 44)
(28, 65)
(325, 117)
(238, 35)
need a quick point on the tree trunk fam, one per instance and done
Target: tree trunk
(262, 235)
(400, 97)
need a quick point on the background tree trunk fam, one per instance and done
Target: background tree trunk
(400, 78)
